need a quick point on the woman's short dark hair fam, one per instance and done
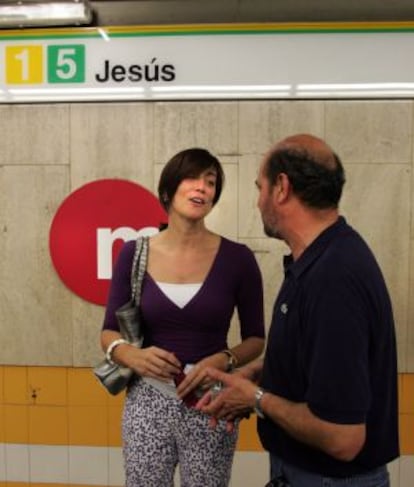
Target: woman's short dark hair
(189, 163)
(318, 184)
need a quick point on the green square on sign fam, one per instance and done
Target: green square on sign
(66, 63)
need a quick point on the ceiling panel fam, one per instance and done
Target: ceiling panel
(137, 12)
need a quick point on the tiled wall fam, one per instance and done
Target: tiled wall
(58, 425)
(48, 151)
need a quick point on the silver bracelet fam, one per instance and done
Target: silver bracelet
(111, 348)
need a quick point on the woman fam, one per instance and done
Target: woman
(194, 281)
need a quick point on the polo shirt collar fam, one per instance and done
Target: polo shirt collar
(315, 249)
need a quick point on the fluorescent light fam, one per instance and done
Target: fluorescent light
(42, 14)
(346, 90)
(355, 86)
(68, 94)
(188, 92)
(221, 88)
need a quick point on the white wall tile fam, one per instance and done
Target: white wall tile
(250, 469)
(17, 463)
(88, 465)
(2, 462)
(49, 464)
(406, 471)
(394, 471)
(116, 467)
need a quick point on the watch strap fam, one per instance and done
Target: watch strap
(232, 360)
(257, 402)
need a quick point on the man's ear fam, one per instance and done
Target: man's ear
(282, 187)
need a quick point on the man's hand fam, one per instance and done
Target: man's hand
(197, 377)
(234, 400)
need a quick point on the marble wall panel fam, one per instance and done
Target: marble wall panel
(370, 131)
(269, 254)
(223, 219)
(410, 327)
(262, 123)
(34, 134)
(112, 141)
(35, 307)
(87, 324)
(157, 173)
(250, 222)
(409, 352)
(178, 126)
(132, 141)
(376, 202)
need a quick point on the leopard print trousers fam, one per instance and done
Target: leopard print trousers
(159, 432)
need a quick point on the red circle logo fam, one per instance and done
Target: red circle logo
(90, 227)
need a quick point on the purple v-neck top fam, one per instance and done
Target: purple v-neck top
(200, 328)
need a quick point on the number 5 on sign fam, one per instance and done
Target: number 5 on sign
(66, 63)
(24, 64)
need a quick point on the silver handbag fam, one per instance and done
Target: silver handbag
(112, 376)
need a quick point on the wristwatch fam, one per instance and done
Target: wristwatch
(232, 360)
(257, 399)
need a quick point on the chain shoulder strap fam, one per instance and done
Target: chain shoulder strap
(139, 265)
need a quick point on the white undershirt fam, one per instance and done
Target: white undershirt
(179, 294)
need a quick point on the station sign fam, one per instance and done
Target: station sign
(248, 61)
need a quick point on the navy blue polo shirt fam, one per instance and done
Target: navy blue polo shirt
(332, 345)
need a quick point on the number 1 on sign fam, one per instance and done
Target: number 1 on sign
(24, 64)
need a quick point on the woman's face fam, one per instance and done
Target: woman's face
(194, 196)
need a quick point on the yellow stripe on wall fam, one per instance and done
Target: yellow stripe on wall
(67, 406)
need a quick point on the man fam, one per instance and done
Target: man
(327, 401)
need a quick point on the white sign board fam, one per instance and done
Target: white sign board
(136, 64)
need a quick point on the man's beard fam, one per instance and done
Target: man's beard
(271, 232)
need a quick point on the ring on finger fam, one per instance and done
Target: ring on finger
(215, 389)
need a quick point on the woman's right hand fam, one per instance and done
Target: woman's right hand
(152, 362)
